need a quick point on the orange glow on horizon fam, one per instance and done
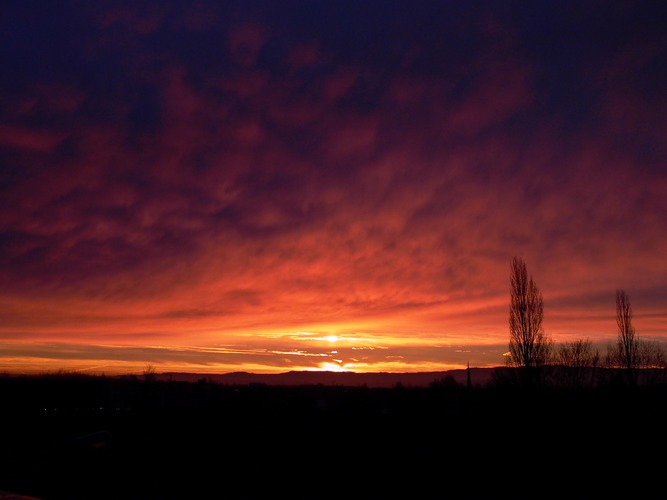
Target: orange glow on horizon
(195, 346)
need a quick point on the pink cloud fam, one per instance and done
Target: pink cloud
(245, 43)
(143, 19)
(31, 139)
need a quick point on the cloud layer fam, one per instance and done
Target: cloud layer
(197, 184)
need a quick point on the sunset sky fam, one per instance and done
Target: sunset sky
(266, 186)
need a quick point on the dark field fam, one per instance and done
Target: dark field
(70, 438)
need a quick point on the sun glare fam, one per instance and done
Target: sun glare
(333, 367)
(315, 336)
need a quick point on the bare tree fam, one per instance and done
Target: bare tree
(529, 347)
(149, 373)
(578, 362)
(626, 354)
(627, 341)
(651, 362)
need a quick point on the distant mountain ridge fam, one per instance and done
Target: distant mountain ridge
(478, 376)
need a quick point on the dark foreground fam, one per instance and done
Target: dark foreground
(91, 438)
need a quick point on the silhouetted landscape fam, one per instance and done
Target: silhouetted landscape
(68, 436)
(480, 376)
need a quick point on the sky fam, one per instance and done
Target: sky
(263, 186)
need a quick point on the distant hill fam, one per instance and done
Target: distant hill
(478, 376)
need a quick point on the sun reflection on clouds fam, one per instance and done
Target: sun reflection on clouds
(298, 353)
(328, 337)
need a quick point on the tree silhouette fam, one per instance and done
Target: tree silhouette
(637, 357)
(626, 353)
(529, 347)
(578, 362)
(149, 373)
(626, 333)
(651, 362)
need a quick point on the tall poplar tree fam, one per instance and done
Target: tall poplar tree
(627, 344)
(529, 346)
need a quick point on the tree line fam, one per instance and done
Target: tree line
(538, 360)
